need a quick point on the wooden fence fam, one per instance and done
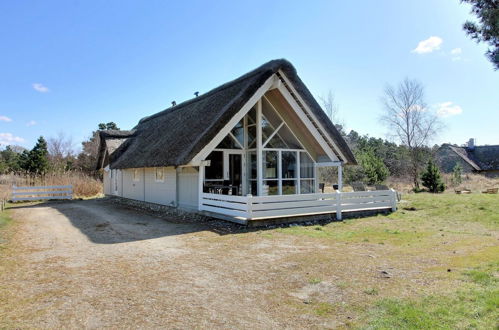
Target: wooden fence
(35, 193)
(264, 207)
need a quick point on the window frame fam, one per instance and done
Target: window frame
(162, 169)
(135, 175)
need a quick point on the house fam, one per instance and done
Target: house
(246, 150)
(472, 158)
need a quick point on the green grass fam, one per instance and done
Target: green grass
(476, 307)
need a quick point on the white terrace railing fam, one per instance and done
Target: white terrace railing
(264, 207)
(35, 193)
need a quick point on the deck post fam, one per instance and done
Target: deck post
(338, 205)
(200, 186)
(259, 155)
(394, 200)
(340, 177)
(249, 205)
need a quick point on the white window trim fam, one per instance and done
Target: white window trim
(162, 169)
(136, 176)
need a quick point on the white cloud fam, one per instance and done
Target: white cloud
(31, 123)
(447, 109)
(428, 45)
(40, 88)
(456, 54)
(5, 118)
(8, 138)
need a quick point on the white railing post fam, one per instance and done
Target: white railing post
(338, 206)
(394, 200)
(249, 204)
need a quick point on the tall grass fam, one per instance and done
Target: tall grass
(84, 185)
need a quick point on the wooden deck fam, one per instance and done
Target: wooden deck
(246, 208)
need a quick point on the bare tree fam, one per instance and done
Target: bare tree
(410, 121)
(331, 108)
(60, 150)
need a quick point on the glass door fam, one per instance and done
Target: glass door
(235, 170)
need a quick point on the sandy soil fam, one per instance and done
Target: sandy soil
(94, 264)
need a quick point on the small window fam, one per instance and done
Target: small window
(136, 176)
(160, 174)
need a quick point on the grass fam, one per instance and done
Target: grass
(471, 308)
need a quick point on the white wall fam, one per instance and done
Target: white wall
(107, 182)
(161, 192)
(133, 189)
(188, 188)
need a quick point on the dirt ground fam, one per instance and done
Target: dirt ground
(94, 264)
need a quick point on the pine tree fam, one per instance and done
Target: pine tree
(456, 175)
(432, 179)
(38, 157)
(374, 168)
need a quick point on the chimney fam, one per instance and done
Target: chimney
(196, 93)
(471, 144)
(174, 103)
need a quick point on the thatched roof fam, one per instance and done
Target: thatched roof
(481, 158)
(109, 141)
(174, 136)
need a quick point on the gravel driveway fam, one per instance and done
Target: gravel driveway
(95, 264)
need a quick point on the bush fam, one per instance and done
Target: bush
(431, 178)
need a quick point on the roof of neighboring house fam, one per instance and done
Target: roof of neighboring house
(174, 136)
(481, 158)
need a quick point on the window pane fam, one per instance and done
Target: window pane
(159, 174)
(267, 129)
(289, 138)
(252, 116)
(251, 137)
(306, 166)
(269, 164)
(288, 164)
(288, 187)
(228, 143)
(270, 187)
(276, 142)
(251, 165)
(307, 186)
(238, 132)
(216, 168)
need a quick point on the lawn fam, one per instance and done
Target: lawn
(452, 239)
(432, 264)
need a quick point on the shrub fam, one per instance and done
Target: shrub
(432, 179)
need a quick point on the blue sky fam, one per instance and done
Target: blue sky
(68, 65)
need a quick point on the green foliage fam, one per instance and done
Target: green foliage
(432, 179)
(373, 167)
(457, 172)
(108, 126)
(34, 161)
(487, 29)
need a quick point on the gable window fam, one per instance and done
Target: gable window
(286, 167)
(160, 174)
(136, 176)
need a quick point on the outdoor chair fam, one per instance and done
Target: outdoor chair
(381, 187)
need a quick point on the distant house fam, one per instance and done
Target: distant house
(248, 149)
(472, 158)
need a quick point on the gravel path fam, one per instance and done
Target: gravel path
(94, 264)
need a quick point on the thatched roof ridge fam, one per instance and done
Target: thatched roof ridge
(481, 158)
(174, 136)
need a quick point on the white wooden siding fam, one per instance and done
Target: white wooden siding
(188, 188)
(163, 192)
(133, 189)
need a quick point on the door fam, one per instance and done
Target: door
(235, 172)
